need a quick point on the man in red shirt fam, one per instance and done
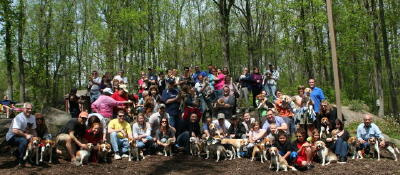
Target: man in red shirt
(120, 95)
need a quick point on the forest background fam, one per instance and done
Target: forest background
(51, 46)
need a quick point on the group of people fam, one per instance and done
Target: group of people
(186, 105)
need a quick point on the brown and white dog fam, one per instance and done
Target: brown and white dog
(236, 144)
(214, 146)
(375, 148)
(168, 148)
(261, 148)
(326, 155)
(324, 130)
(104, 150)
(33, 148)
(82, 156)
(47, 147)
(353, 145)
(134, 150)
(214, 132)
(278, 161)
(392, 148)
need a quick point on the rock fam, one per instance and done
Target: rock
(4, 125)
(55, 119)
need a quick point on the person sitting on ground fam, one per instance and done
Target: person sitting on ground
(192, 129)
(164, 133)
(71, 135)
(94, 135)
(339, 141)
(247, 121)
(368, 129)
(41, 127)
(256, 134)
(120, 131)
(284, 146)
(326, 110)
(205, 128)
(21, 130)
(222, 124)
(98, 118)
(141, 131)
(271, 118)
(236, 130)
(155, 119)
(7, 106)
(105, 104)
(303, 150)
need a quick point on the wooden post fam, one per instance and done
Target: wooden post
(334, 58)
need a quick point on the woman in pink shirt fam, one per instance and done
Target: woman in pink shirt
(219, 83)
(105, 103)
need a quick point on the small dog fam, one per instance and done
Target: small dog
(261, 148)
(195, 146)
(214, 132)
(104, 150)
(278, 161)
(236, 144)
(353, 146)
(374, 147)
(325, 154)
(33, 148)
(168, 148)
(324, 130)
(392, 148)
(47, 147)
(82, 156)
(133, 149)
(216, 147)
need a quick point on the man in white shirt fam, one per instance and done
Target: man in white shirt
(222, 124)
(22, 129)
(155, 119)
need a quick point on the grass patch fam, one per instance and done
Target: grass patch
(388, 126)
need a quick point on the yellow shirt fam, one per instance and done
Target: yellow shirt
(116, 125)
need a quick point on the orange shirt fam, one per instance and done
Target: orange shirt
(283, 112)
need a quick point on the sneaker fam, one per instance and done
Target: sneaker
(117, 157)
(342, 160)
(159, 153)
(124, 155)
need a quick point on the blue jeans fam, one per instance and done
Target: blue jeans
(141, 144)
(271, 89)
(118, 143)
(94, 95)
(183, 140)
(341, 147)
(21, 143)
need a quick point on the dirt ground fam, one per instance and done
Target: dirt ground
(184, 164)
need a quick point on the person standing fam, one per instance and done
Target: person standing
(272, 77)
(244, 81)
(171, 98)
(219, 83)
(317, 95)
(256, 84)
(94, 86)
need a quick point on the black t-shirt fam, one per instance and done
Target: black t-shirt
(284, 148)
(74, 125)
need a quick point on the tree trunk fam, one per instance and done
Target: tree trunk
(224, 7)
(378, 62)
(21, 31)
(8, 42)
(393, 96)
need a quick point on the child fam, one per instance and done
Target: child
(272, 130)
(284, 146)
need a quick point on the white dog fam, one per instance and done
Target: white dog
(325, 154)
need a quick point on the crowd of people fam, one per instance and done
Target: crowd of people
(184, 105)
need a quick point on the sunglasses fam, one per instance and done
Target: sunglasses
(40, 119)
(163, 121)
(299, 136)
(121, 115)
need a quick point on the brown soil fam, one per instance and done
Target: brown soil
(183, 164)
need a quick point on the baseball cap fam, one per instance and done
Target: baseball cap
(108, 90)
(221, 116)
(123, 87)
